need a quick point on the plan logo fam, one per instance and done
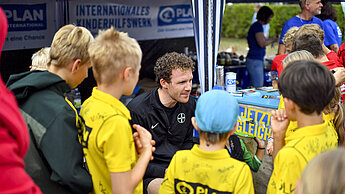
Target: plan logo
(26, 17)
(178, 14)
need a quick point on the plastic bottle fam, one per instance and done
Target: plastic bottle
(77, 99)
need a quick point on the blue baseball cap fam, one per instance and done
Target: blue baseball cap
(216, 111)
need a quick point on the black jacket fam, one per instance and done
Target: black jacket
(55, 157)
(147, 111)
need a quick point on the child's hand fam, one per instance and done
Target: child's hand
(339, 75)
(260, 142)
(143, 140)
(279, 124)
(269, 148)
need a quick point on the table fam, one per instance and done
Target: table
(255, 113)
(254, 120)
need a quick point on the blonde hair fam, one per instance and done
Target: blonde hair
(289, 37)
(111, 52)
(314, 28)
(296, 56)
(40, 59)
(324, 174)
(69, 43)
(338, 109)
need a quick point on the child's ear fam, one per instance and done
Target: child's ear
(127, 71)
(194, 124)
(289, 104)
(76, 65)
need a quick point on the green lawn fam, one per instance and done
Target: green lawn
(241, 46)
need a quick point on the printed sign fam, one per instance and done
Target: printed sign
(142, 20)
(28, 23)
(253, 123)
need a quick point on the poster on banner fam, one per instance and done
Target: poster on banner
(31, 24)
(142, 20)
(253, 123)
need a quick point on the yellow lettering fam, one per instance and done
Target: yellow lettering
(256, 116)
(267, 132)
(199, 190)
(249, 113)
(244, 113)
(251, 125)
(260, 133)
(239, 126)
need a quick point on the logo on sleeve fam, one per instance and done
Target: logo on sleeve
(181, 118)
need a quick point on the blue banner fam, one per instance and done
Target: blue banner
(253, 123)
(26, 17)
(178, 14)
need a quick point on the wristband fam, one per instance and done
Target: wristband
(270, 139)
(260, 148)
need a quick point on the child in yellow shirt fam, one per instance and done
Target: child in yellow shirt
(208, 167)
(108, 143)
(307, 87)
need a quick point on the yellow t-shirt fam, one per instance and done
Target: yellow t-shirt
(199, 171)
(107, 142)
(303, 145)
(293, 124)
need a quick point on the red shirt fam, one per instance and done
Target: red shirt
(14, 138)
(331, 64)
(341, 54)
(277, 64)
(333, 56)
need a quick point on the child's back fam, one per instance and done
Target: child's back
(307, 87)
(108, 143)
(107, 132)
(205, 171)
(208, 167)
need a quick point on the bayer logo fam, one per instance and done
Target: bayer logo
(231, 81)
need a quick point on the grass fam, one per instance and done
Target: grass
(241, 47)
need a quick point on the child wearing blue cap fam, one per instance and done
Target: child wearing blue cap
(207, 167)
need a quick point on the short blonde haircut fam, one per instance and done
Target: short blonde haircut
(315, 28)
(296, 56)
(324, 174)
(40, 59)
(289, 37)
(70, 43)
(111, 52)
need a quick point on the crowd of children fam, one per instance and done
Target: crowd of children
(100, 150)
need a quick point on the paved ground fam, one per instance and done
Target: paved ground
(261, 177)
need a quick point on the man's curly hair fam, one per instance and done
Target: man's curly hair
(170, 61)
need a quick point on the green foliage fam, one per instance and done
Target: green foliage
(236, 20)
(238, 17)
(340, 21)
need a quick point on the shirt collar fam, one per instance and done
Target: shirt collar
(112, 101)
(220, 154)
(312, 130)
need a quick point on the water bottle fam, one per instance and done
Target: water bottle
(77, 99)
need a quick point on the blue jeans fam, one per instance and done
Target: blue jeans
(255, 69)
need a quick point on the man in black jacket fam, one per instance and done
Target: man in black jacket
(166, 112)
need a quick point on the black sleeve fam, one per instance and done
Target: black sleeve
(188, 142)
(154, 171)
(63, 152)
